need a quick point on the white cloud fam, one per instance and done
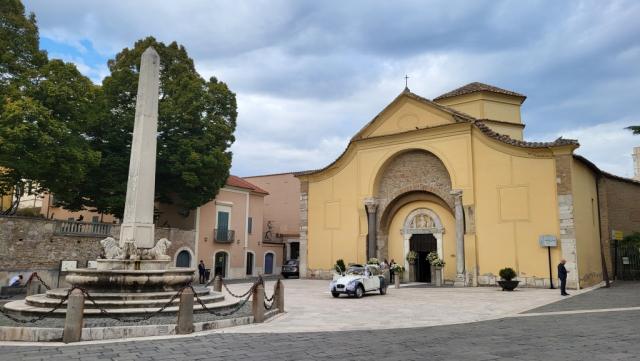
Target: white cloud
(608, 145)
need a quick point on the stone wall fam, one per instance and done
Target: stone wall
(30, 245)
(619, 210)
(409, 172)
(567, 241)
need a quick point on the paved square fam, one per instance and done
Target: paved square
(310, 307)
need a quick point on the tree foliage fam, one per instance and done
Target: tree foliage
(42, 112)
(635, 129)
(61, 133)
(197, 118)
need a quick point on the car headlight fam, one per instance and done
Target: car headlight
(332, 285)
(352, 285)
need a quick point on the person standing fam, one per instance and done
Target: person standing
(562, 275)
(391, 273)
(201, 271)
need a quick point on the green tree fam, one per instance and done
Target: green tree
(197, 118)
(43, 109)
(635, 129)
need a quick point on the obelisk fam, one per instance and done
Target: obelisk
(137, 224)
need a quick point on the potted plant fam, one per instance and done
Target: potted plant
(437, 263)
(507, 283)
(412, 256)
(340, 267)
(398, 270)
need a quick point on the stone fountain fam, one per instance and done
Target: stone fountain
(136, 275)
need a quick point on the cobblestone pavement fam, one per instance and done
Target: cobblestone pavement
(584, 337)
(621, 294)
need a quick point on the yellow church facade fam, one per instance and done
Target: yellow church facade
(453, 175)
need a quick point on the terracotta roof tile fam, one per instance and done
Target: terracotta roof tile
(478, 87)
(235, 181)
(521, 143)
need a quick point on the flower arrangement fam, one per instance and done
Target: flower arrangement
(373, 261)
(396, 268)
(340, 267)
(412, 256)
(435, 260)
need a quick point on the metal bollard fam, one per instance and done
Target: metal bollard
(257, 303)
(74, 321)
(185, 313)
(217, 283)
(279, 292)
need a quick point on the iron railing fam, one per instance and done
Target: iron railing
(223, 235)
(82, 228)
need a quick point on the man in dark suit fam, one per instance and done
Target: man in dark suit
(562, 275)
(201, 271)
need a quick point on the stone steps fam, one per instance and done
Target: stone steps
(47, 302)
(62, 292)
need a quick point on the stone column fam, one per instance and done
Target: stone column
(75, 317)
(257, 304)
(304, 227)
(459, 214)
(185, 313)
(371, 206)
(137, 224)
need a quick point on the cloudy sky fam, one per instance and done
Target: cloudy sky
(309, 74)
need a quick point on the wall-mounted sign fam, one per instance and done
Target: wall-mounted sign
(617, 235)
(625, 260)
(548, 240)
(92, 264)
(68, 265)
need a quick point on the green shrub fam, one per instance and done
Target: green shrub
(507, 274)
(632, 239)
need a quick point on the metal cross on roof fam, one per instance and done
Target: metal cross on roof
(406, 82)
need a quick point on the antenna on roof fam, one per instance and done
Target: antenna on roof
(406, 83)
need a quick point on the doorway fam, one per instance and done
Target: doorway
(268, 263)
(249, 264)
(423, 244)
(220, 267)
(183, 259)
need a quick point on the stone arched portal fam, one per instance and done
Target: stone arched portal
(410, 173)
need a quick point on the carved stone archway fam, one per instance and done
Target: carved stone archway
(422, 221)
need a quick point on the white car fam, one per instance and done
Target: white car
(358, 280)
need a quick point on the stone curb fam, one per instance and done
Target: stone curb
(43, 336)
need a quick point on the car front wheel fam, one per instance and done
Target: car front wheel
(335, 294)
(359, 291)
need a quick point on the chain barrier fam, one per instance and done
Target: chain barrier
(239, 305)
(242, 295)
(39, 279)
(267, 306)
(42, 316)
(146, 317)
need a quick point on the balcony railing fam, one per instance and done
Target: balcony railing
(223, 235)
(82, 228)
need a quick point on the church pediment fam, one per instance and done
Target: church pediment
(409, 112)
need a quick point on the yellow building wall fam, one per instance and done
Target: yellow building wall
(483, 105)
(514, 131)
(396, 239)
(515, 204)
(337, 224)
(406, 115)
(586, 220)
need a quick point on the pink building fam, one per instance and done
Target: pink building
(281, 210)
(229, 232)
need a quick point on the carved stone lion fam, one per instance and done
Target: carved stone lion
(159, 251)
(111, 249)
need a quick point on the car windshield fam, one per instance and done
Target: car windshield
(355, 270)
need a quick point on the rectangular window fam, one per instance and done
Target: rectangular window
(95, 219)
(249, 224)
(223, 226)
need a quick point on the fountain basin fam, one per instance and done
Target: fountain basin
(124, 280)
